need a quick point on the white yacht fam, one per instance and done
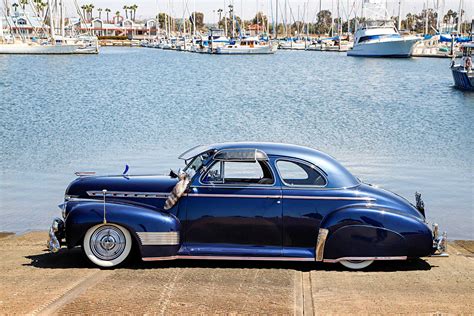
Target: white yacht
(379, 38)
(248, 45)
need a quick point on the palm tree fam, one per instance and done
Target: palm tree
(107, 11)
(91, 10)
(134, 9)
(100, 13)
(117, 15)
(84, 8)
(15, 6)
(125, 7)
(23, 4)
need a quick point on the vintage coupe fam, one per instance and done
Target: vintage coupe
(243, 201)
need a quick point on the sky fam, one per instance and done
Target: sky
(247, 8)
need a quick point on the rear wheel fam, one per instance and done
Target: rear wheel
(356, 264)
(107, 245)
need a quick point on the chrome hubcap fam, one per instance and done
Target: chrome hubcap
(107, 242)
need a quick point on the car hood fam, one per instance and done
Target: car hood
(143, 184)
(390, 201)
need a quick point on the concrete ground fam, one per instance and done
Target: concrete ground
(36, 282)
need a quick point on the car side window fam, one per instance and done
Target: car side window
(299, 173)
(238, 173)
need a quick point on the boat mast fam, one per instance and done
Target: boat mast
(399, 26)
(2, 37)
(276, 20)
(194, 18)
(61, 23)
(51, 21)
(225, 19)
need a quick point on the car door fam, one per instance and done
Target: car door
(234, 208)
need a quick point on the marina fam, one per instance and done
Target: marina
(419, 126)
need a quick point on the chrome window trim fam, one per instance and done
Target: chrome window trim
(224, 185)
(309, 164)
(130, 194)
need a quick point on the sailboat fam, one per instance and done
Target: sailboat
(52, 44)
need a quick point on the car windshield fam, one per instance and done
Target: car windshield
(193, 166)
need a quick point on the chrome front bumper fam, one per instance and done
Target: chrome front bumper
(55, 231)
(440, 243)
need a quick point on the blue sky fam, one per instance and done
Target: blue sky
(148, 8)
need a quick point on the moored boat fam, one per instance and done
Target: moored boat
(248, 45)
(463, 73)
(380, 38)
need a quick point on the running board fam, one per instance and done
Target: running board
(228, 258)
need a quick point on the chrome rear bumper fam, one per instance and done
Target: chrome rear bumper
(55, 230)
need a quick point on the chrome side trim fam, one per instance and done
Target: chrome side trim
(128, 194)
(244, 196)
(302, 197)
(158, 238)
(228, 258)
(365, 258)
(322, 235)
(345, 198)
(158, 258)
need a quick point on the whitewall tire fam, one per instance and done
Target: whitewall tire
(356, 264)
(107, 245)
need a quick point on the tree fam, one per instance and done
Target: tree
(107, 11)
(125, 7)
(260, 19)
(117, 16)
(100, 12)
(15, 6)
(23, 4)
(199, 20)
(133, 9)
(162, 18)
(84, 8)
(323, 25)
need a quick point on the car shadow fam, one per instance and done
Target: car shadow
(74, 258)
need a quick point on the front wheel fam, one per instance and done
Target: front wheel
(107, 245)
(356, 264)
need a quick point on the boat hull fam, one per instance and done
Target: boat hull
(391, 48)
(462, 79)
(246, 50)
(46, 49)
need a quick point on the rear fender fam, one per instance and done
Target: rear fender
(136, 219)
(373, 232)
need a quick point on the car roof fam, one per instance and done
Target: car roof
(338, 176)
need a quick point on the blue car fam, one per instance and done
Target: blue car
(243, 201)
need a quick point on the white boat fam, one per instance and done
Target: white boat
(248, 45)
(35, 48)
(292, 44)
(379, 38)
(53, 45)
(433, 47)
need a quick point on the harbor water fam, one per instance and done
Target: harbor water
(396, 123)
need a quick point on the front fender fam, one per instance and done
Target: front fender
(83, 215)
(375, 232)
